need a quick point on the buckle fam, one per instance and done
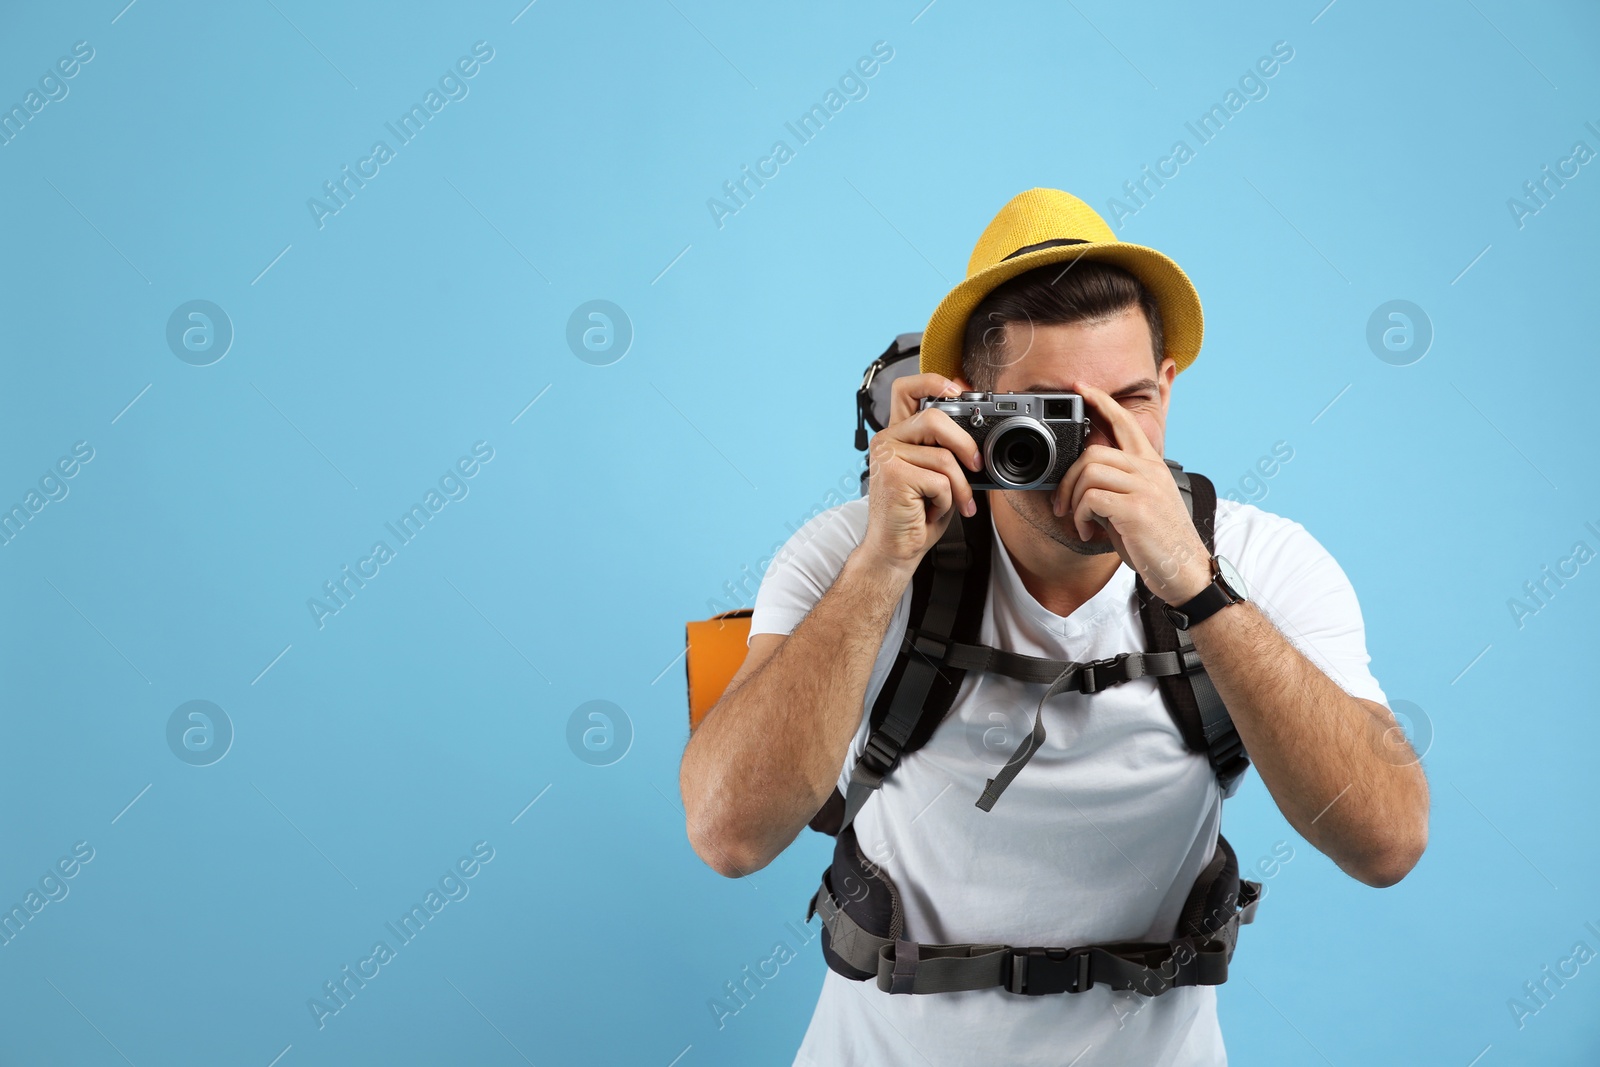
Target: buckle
(1190, 659)
(1089, 676)
(1038, 971)
(882, 755)
(875, 762)
(1249, 898)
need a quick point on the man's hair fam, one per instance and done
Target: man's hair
(1056, 294)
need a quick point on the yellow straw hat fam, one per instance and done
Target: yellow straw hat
(1043, 226)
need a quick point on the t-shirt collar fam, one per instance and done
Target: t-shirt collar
(1111, 599)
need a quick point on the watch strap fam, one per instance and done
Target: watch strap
(1210, 600)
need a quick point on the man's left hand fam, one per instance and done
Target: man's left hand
(1130, 493)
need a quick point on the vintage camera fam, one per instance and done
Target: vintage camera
(1027, 440)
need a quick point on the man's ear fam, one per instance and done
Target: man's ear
(1164, 377)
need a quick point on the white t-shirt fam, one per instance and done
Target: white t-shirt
(1099, 838)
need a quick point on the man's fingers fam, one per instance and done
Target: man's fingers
(1093, 504)
(935, 427)
(1125, 429)
(940, 460)
(1065, 496)
(905, 393)
(1111, 457)
(933, 486)
(920, 459)
(1095, 476)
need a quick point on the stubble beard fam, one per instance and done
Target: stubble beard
(1034, 507)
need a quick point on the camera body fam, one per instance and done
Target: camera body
(1027, 440)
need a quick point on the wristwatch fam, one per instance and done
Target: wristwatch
(1226, 588)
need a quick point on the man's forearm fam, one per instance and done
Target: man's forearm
(1328, 758)
(767, 755)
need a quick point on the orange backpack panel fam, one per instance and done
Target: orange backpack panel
(717, 647)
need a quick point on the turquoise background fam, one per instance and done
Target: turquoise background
(435, 710)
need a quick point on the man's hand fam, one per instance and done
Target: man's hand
(905, 393)
(917, 482)
(1129, 491)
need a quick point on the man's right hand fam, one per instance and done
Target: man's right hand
(916, 480)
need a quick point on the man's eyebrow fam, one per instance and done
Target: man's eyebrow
(1148, 384)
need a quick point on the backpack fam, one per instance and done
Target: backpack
(864, 935)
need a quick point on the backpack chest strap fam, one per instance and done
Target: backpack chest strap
(1092, 676)
(1061, 675)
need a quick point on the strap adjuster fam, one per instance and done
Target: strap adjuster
(1091, 680)
(876, 760)
(930, 645)
(1041, 971)
(881, 756)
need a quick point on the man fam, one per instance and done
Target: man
(1102, 835)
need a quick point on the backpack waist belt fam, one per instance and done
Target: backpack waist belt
(864, 937)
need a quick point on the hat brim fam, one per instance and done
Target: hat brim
(1182, 322)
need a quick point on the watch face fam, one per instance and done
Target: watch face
(1232, 577)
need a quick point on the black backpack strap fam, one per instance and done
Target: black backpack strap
(1093, 675)
(1190, 696)
(949, 591)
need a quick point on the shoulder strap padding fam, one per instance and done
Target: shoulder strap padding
(1160, 634)
(949, 590)
(955, 573)
(1191, 696)
(925, 628)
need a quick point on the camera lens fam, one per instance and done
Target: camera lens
(1020, 453)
